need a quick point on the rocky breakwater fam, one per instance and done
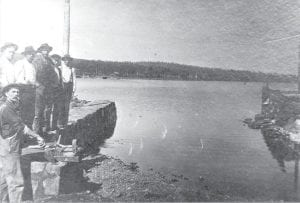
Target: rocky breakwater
(90, 123)
(279, 111)
(279, 122)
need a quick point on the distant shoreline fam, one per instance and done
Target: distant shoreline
(172, 71)
(133, 78)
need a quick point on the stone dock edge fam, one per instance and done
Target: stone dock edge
(99, 177)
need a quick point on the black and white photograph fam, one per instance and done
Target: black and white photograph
(149, 100)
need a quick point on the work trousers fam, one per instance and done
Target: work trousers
(68, 93)
(43, 109)
(27, 105)
(2, 98)
(58, 109)
(11, 179)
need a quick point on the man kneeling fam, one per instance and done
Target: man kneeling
(12, 131)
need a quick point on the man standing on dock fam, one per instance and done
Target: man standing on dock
(24, 70)
(43, 101)
(58, 95)
(7, 75)
(12, 132)
(69, 84)
(25, 74)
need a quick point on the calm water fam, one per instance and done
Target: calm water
(194, 129)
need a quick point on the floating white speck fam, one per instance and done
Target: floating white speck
(201, 147)
(136, 123)
(141, 144)
(130, 149)
(267, 101)
(164, 133)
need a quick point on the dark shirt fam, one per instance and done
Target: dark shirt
(45, 73)
(58, 79)
(10, 120)
(12, 128)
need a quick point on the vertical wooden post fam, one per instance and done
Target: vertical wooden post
(66, 37)
(296, 171)
(0, 22)
(299, 68)
(97, 67)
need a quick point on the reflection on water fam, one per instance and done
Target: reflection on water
(281, 147)
(194, 129)
(284, 150)
(278, 125)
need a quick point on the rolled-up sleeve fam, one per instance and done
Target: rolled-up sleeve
(8, 76)
(19, 73)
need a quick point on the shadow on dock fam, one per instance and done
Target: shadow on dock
(45, 180)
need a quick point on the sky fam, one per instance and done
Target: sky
(256, 35)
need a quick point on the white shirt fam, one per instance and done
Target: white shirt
(25, 72)
(68, 75)
(7, 75)
(57, 71)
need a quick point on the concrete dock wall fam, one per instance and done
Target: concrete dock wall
(90, 124)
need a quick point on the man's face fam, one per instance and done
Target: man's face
(29, 57)
(9, 53)
(45, 52)
(56, 61)
(67, 62)
(13, 95)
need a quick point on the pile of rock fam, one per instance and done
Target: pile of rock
(76, 102)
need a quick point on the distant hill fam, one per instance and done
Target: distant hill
(172, 71)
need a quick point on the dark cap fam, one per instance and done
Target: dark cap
(7, 45)
(9, 87)
(29, 50)
(67, 57)
(43, 47)
(56, 57)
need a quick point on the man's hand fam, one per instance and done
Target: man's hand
(41, 141)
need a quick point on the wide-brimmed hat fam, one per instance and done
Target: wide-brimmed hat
(7, 45)
(43, 47)
(28, 50)
(67, 57)
(9, 87)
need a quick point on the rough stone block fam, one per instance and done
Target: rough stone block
(45, 178)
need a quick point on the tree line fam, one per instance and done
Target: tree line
(171, 71)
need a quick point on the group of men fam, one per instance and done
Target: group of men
(46, 80)
(50, 77)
